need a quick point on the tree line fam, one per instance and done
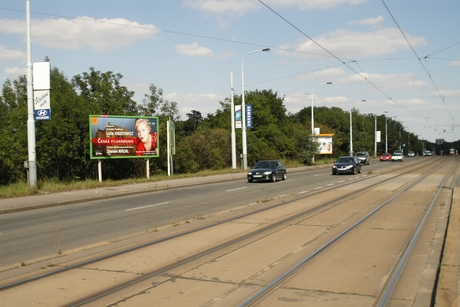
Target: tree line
(62, 143)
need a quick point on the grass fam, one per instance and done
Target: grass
(21, 189)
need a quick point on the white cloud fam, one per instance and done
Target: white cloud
(15, 71)
(327, 74)
(313, 4)
(387, 82)
(454, 63)
(353, 44)
(204, 103)
(8, 54)
(240, 7)
(237, 7)
(368, 21)
(193, 50)
(98, 34)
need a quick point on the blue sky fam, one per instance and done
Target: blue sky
(400, 56)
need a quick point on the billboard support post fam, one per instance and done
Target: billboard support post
(99, 170)
(147, 168)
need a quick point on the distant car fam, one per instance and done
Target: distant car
(385, 157)
(268, 170)
(363, 157)
(427, 153)
(411, 154)
(346, 165)
(397, 157)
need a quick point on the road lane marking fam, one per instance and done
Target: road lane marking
(236, 189)
(149, 206)
(318, 175)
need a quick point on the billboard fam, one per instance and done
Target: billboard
(114, 136)
(324, 144)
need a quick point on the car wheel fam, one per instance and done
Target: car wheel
(284, 176)
(359, 171)
(273, 177)
(249, 180)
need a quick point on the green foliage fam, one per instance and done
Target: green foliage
(205, 149)
(62, 144)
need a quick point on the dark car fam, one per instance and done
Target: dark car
(346, 165)
(268, 170)
(363, 157)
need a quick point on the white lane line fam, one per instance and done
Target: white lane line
(303, 192)
(318, 188)
(236, 189)
(330, 184)
(318, 175)
(137, 208)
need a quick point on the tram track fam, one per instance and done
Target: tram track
(383, 296)
(255, 232)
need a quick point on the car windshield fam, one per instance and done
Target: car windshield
(345, 160)
(265, 164)
(360, 154)
(397, 154)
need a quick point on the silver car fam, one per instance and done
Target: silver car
(363, 157)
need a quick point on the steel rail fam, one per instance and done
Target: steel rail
(397, 273)
(157, 241)
(265, 290)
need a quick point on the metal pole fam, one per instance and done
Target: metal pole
(351, 132)
(232, 112)
(30, 109)
(386, 133)
(168, 145)
(313, 119)
(375, 137)
(243, 111)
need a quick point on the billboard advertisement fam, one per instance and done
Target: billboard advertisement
(114, 136)
(324, 144)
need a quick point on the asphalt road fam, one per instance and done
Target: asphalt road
(49, 231)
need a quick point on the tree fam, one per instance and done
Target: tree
(153, 104)
(104, 93)
(193, 121)
(13, 128)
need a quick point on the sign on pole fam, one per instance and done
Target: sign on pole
(248, 115)
(41, 86)
(238, 115)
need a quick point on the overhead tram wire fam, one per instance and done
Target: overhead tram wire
(184, 34)
(162, 30)
(341, 61)
(419, 60)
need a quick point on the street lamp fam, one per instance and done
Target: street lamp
(243, 111)
(351, 132)
(313, 119)
(351, 129)
(375, 136)
(386, 133)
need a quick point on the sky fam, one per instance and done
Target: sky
(400, 58)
